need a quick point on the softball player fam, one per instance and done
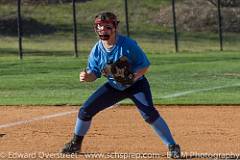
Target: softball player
(107, 50)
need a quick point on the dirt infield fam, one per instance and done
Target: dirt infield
(120, 131)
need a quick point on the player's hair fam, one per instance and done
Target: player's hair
(107, 17)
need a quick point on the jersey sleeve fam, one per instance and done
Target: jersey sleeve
(139, 58)
(93, 63)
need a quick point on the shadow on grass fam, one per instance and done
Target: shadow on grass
(185, 36)
(30, 26)
(27, 52)
(152, 35)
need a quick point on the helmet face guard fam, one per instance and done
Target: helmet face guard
(105, 22)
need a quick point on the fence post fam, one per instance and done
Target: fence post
(19, 25)
(126, 17)
(175, 26)
(75, 28)
(220, 25)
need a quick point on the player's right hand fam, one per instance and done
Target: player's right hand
(86, 76)
(83, 76)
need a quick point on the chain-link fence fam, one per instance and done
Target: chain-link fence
(47, 25)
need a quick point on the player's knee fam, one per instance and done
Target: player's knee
(151, 117)
(84, 115)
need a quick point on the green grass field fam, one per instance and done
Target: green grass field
(48, 74)
(210, 78)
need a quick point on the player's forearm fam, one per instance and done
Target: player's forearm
(140, 73)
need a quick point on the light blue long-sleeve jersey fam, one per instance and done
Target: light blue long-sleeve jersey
(100, 57)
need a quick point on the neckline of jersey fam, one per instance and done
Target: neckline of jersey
(106, 50)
